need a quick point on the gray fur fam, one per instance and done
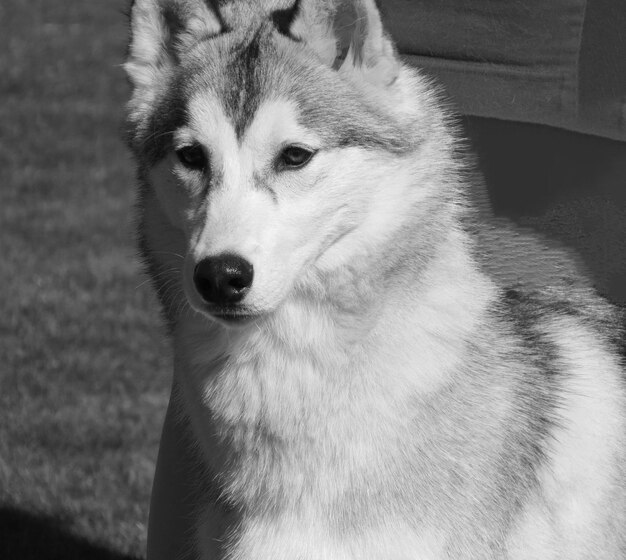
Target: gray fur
(300, 408)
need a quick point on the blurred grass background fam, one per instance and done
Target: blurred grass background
(84, 367)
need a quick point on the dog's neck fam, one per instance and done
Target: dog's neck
(258, 397)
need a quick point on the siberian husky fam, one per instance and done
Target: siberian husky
(359, 379)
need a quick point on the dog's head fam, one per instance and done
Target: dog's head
(271, 136)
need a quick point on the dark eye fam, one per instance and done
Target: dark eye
(295, 156)
(192, 157)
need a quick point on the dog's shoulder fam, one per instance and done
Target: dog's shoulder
(565, 343)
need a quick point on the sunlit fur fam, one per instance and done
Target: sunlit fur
(407, 389)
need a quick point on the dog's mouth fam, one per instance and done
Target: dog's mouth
(235, 316)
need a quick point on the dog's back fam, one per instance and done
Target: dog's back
(368, 371)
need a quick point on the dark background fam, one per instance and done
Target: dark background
(569, 186)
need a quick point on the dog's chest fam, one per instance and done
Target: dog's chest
(282, 419)
(311, 539)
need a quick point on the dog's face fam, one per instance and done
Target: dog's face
(260, 140)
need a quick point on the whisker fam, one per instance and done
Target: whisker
(157, 275)
(168, 253)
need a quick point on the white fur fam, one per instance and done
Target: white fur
(348, 205)
(281, 378)
(580, 478)
(371, 409)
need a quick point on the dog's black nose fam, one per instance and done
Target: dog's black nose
(224, 279)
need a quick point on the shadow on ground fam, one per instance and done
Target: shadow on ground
(25, 536)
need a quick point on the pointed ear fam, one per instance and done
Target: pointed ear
(161, 32)
(348, 35)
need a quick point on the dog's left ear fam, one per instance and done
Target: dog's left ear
(346, 34)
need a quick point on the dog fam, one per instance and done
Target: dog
(359, 379)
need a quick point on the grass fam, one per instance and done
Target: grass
(84, 370)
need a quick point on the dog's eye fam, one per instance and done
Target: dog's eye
(295, 156)
(192, 157)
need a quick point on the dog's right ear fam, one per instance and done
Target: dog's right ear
(347, 35)
(161, 32)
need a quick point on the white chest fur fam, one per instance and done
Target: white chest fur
(304, 419)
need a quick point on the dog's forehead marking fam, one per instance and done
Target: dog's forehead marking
(247, 73)
(242, 87)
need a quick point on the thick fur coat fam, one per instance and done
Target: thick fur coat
(391, 384)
